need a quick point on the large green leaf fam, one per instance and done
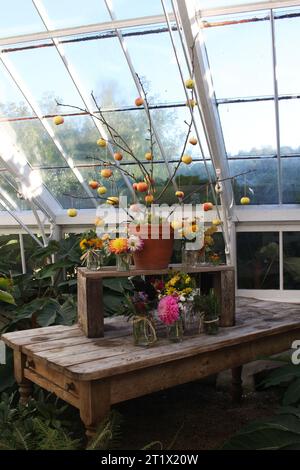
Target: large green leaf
(282, 375)
(68, 311)
(6, 297)
(5, 283)
(51, 269)
(117, 284)
(41, 253)
(279, 432)
(112, 303)
(48, 312)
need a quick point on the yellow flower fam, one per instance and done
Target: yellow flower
(211, 230)
(208, 240)
(118, 246)
(83, 244)
(187, 280)
(187, 290)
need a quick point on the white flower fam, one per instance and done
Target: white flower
(135, 243)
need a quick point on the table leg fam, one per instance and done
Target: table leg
(25, 386)
(237, 384)
(94, 404)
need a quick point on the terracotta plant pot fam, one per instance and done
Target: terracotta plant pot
(157, 251)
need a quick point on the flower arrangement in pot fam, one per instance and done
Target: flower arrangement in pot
(156, 231)
(146, 191)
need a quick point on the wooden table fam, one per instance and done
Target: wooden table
(90, 296)
(93, 374)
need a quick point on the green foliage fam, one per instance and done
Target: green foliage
(46, 424)
(281, 431)
(47, 294)
(108, 433)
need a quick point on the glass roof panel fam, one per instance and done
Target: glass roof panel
(172, 125)
(12, 102)
(240, 58)
(223, 3)
(133, 127)
(78, 137)
(102, 69)
(9, 187)
(68, 13)
(249, 128)
(19, 17)
(153, 59)
(65, 187)
(136, 8)
(46, 78)
(36, 143)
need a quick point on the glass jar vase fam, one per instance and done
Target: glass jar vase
(123, 262)
(175, 331)
(191, 318)
(211, 325)
(144, 333)
(94, 260)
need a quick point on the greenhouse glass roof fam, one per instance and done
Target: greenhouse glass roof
(68, 58)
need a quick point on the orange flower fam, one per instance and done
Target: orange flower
(118, 246)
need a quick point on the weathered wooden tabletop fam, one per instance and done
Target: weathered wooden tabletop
(66, 349)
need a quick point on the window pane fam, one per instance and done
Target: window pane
(38, 147)
(291, 260)
(78, 136)
(19, 17)
(153, 59)
(290, 180)
(249, 128)
(240, 58)
(289, 114)
(66, 188)
(288, 60)
(172, 127)
(135, 8)
(102, 68)
(12, 102)
(67, 13)
(222, 3)
(258, 260)
(260, 184)
(10, 189)
(52, 81)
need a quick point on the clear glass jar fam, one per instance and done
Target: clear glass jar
(123, 262)
(211, 325)
(190, 258)
(191, 318)
(144, 333)
(175, 331)
(94, 260)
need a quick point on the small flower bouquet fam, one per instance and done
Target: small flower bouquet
(139, 308)
(94, 250)
(123, 248)
(169, 313)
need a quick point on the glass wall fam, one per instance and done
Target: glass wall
(258, 260)
(291, 260)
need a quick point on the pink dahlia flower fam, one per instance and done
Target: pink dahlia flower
(168, 309)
